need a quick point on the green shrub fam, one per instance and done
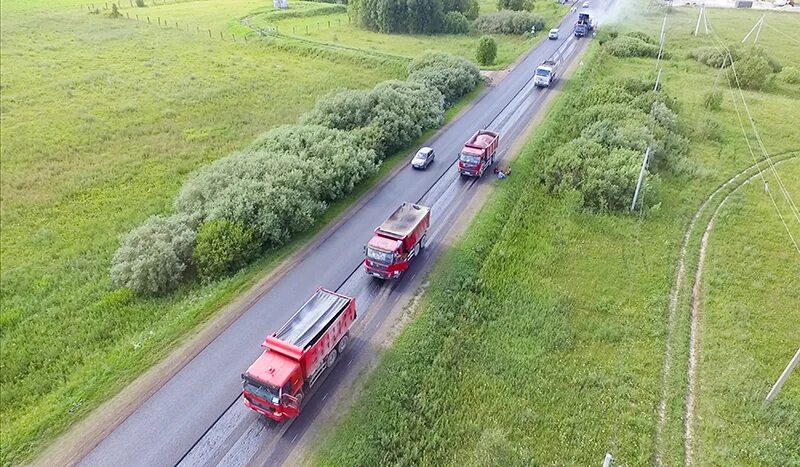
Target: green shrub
(751, 71)
(509, 22)
(455, 23)
(486, 51)
(152, 258)
(627, 46)
(712, 99)
(709, 130)
(223, 247)
(714, 57)
(516, 5)
(452, 76)
(140, 3)
(642, 36)
(337, 160)
(606, 34)
(790, 75)
(774, 63)
(390, 116)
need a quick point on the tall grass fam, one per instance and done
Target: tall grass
(541, 339)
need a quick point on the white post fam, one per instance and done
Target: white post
(608, 460)
(784, 376)
(699, 17)
(658, 79)
(641, 177)
(705, 20)
(760, 25)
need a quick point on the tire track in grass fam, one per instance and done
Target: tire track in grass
(694, 336)
(750, 173)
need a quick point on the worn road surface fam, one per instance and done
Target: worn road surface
(198, 418)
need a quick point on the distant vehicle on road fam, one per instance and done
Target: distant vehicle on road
(478, 153)
(545, 74)
(297, 354)
(586, 4)
(423, 158)
(397, 241)
(553, 34)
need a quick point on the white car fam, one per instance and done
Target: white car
(586, 4)
(553, 34)
(423, 158)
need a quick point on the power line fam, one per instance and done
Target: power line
(752, 152)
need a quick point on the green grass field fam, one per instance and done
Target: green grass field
(102, 120)
(541, 340)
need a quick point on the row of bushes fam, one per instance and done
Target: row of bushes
(509, 22)
(635, 44)
(261, 197)
(601, 140)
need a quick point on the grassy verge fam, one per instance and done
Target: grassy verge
(541, 339)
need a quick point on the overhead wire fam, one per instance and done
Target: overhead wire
(727, 55)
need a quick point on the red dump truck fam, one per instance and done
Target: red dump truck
(478, 153)
(398, 240)
(297, 354)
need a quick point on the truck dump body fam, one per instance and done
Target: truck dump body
(298, 338)
(403, 222)
(305, 326)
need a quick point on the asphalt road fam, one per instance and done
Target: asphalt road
(197, 417)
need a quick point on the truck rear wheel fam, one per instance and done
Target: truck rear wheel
(422, 241)
(343, 343)
(330, 360)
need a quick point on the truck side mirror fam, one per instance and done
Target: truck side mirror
(365, 250)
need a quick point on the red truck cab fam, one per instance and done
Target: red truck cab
(478, 153)
(297, 354)
(397, 241)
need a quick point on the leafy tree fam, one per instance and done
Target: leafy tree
(455, 23)
(486, 51)
(516, 5)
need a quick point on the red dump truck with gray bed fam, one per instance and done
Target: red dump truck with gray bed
(397, 241)
(478, 153)
(298, 354)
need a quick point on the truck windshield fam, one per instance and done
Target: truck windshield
(470, 158)
(379, 256)
(264, 391)
(542, 72)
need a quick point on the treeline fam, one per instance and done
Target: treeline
(443, 16)
(601, 135)
(229, 212)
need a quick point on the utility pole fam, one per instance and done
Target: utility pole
(641, 177)
(759, 24)
(608, 460)
(784, 376)
(699, 18)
